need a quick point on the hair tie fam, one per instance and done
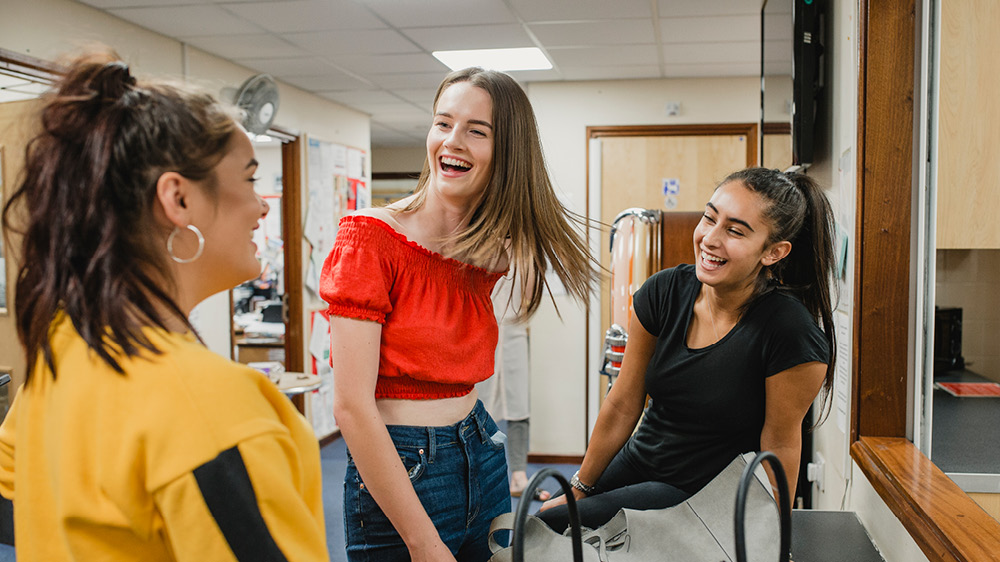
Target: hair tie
(114, 81)
(119, 67)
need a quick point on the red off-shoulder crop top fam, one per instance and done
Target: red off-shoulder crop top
(438, 328)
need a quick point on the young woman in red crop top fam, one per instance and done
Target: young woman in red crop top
(413, 330)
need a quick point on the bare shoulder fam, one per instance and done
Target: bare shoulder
(376, 212)
(384, 214)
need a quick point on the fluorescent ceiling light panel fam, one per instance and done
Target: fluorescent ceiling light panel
(529, 58)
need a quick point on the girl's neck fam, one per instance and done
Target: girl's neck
(727, 303)
(432, 223)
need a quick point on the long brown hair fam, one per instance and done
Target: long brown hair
(798, 211)
(85, 205)
(519, 208)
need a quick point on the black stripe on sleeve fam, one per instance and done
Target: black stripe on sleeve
(226, 487)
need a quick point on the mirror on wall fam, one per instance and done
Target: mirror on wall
(776, 84)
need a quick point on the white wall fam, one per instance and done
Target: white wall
(885, 529)
(831, 440)
(50, 29)
(564, 110)
(399, 159)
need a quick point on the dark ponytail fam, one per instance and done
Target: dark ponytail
(799, 212)
(84, 205)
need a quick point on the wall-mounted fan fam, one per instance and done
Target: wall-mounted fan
(257, 99)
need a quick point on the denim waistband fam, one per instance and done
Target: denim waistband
(476, 425)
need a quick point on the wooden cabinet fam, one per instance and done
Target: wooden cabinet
(968, 175)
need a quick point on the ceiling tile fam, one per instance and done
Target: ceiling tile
(607, 32)
(700, 53)
(623, 72)
(186, 21)
(386, 64)
(611, 55)
(330, 80)
(685, 70)
(525, 76)
(10, 95)
(679, 8)
(245, 46)
(109, 4)
(470, 37)
(423, 97)
(11, 81)
(710, 29)
(397, 108)
(563, 10)
(285, 66)
(355, 98)
(353, 42)
(409, 79)
(26, 87)
(306, 15)
(437, 13)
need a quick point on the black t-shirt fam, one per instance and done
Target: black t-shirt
(708, 404)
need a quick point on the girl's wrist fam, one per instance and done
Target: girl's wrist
(585, 489)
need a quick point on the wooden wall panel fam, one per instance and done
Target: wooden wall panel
(968, 179)
(989, 502)
(886, 139)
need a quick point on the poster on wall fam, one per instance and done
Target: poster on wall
(337, 185)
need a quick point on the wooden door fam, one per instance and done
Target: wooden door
(15, 131)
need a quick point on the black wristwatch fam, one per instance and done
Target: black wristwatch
(575, 482)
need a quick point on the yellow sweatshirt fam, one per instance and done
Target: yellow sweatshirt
(187, 456)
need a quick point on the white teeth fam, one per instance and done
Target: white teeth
(454, 162)
(714, 259)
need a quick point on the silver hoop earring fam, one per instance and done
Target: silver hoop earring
(170, 244)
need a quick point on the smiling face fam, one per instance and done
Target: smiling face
(460, 143)
(731, 241)
(228, 219)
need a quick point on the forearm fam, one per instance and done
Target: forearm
(788, 452)
(612, 430)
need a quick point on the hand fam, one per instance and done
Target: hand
(561, 500)
(436, 551)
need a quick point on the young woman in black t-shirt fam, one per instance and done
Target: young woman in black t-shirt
(732, 350)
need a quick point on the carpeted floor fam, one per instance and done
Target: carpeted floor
(334, 460)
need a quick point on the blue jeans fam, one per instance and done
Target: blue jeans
(460, 475)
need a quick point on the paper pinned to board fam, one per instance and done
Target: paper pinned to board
(319, 339)
(842, 377)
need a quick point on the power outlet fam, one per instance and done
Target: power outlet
(816, 471)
